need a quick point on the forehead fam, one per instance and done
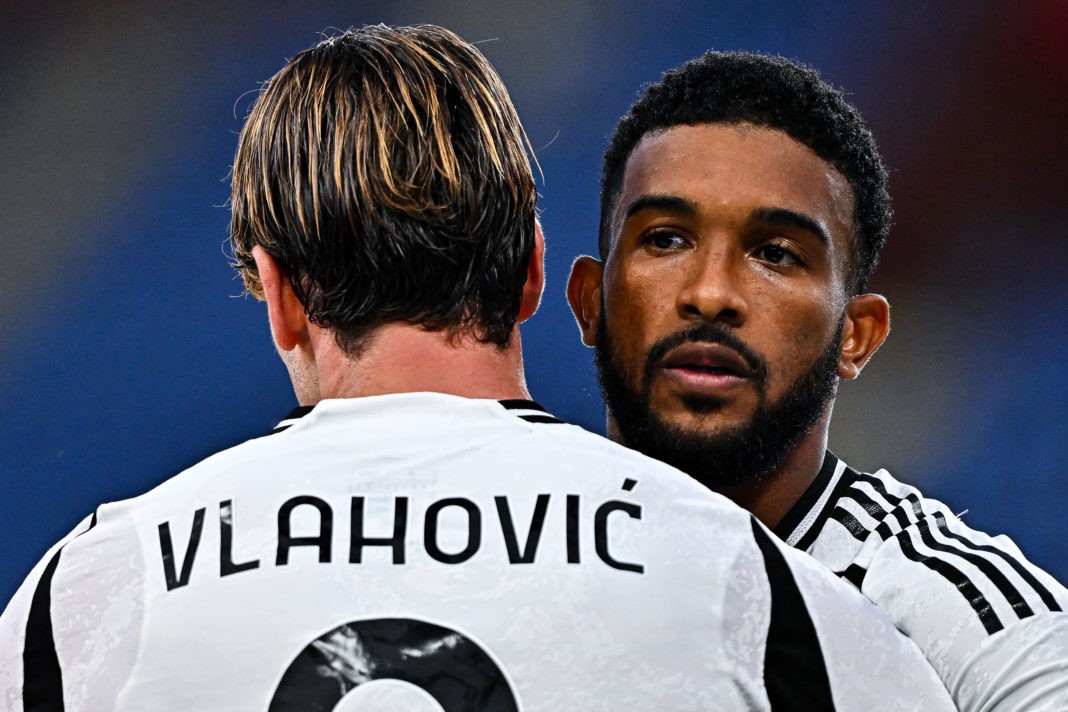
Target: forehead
(731, 170)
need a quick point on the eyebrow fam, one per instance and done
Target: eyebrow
(781, 217)
(788, 218)
(668, 203)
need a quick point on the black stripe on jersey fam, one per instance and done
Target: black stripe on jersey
(295, 414)
(975, 598)
(948, 571)
(42, 683)
(951, 573)
(892, 500)
(795, 675)
(808, 500)
(520, 404)
(1017, 566)
(855, 575)
(902, 517)
(830, 462)
(883, 530)
(851, 523)
(874, 509)
(540, 419)
(989, 569)
(1010, 591)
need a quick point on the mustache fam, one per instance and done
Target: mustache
(703, 332)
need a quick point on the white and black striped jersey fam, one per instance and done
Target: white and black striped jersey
(429, 552)
(991, 623)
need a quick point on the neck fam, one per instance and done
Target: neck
(403, 358)
(771, 497)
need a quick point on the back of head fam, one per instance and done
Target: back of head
(384, 169)
(767, 91)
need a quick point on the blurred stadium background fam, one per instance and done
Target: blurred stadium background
(125, 355)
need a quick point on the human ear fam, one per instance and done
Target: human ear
(584, 296)
(535, 284)
(865, 328)
(289, 322)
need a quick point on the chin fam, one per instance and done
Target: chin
(707, 418)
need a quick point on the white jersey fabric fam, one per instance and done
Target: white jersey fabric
(991, 623)
(430, 552)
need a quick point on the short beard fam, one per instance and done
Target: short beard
(742, 455)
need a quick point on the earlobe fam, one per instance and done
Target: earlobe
(866, 326)
(535, 284)
(584, 296)
(285, 312)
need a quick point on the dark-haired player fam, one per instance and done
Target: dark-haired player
(419, 535)
(743, 207)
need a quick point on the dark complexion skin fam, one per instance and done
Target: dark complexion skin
(725, 307)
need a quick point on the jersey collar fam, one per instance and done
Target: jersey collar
(528, 410)
(802, 517)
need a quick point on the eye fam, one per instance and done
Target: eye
(777, 254)
(665, 240)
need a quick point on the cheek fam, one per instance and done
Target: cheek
(636, 315)
(646, 296)
(637, 309)
(799, 332)
(808, 328)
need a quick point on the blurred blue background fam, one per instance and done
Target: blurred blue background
(127, 354)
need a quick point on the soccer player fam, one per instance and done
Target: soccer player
(419, 534)
(743, 206)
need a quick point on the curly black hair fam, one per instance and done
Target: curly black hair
(767, 91)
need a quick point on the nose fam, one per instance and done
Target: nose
(712, 290)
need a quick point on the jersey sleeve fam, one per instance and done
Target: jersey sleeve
(1023, 668)
(70, 634)
(991, 623)
(866, 662)
(25, 625)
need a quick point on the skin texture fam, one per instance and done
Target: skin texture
(399, 357)
(746, 230)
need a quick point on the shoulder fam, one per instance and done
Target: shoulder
(27, 642)
(890, 540)
(970, 600)
(909, 540)
(818, 620)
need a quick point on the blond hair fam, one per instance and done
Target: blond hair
(385, 170)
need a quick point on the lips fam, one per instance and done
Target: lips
(706, 368)
(707, 358)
